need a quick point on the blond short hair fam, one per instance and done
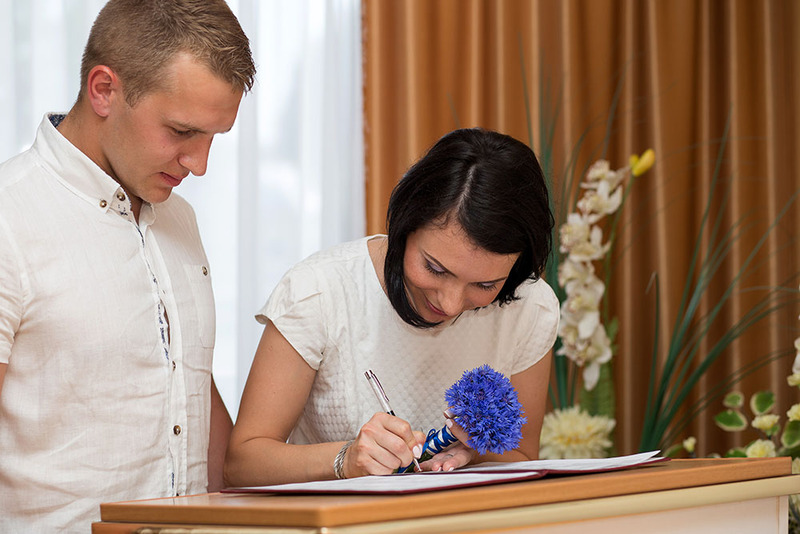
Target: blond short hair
(138, 38)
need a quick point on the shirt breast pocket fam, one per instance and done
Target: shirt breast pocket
(199, 277)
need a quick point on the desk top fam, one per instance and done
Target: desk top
(337, 510)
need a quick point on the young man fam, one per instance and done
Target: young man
(106, 309)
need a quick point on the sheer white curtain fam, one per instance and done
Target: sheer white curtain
(286, 181)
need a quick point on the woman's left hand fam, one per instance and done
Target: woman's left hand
(458, 455)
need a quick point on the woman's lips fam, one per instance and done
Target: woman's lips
(434, 309)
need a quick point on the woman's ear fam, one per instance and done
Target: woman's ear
(102, 87)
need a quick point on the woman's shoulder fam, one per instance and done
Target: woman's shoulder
(341, 256)
(538, 293)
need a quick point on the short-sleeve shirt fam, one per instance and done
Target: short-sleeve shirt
(107, 330)
(332, 309)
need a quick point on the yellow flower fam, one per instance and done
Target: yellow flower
(765, 422)
(641, 164)
(689, 444)
(794, 413)
(793, 379)
(573, 433)
(760, 448)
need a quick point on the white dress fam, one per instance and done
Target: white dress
(334, 312)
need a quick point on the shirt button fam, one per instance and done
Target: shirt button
(205, 270)
(173, 365)
(121, 195)
(176, 429)
(103, 203)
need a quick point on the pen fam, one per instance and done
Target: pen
(377, 388)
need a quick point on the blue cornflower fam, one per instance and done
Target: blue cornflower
(486, 406)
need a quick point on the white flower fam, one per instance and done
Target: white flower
(593, 355)
(590, 249)
(600, 172)
(586, 321)
(568, 332)
(760, 448)
(793, 379)
(794, 413)
(573, 232)
(689, 444)
(573, 433)
(572, 273)
(796, 364)
(596, 204)
(765, 422)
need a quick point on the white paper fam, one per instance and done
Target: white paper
(481, 474)
(566, 465)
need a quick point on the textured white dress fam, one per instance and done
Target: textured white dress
(333, 311)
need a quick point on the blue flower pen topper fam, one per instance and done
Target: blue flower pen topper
(485, 404)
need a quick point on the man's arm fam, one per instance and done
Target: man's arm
(3, 367)
(221, 425)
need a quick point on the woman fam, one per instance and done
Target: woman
(453, 285)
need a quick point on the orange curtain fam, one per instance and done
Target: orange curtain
(612, 78)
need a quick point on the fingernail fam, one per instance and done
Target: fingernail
(448, 413)
(439, 468)
(448, 423)
(450, 468)
(417, 450)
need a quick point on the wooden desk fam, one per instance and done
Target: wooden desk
(704, 495)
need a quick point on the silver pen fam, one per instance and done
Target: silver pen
(383, 399)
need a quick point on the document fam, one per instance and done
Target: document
(477, 475)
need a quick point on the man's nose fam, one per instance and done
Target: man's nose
(195, 156)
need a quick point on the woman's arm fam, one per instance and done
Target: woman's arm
(531, 385)
(273, 400)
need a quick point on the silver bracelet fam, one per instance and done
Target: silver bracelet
(338, 462)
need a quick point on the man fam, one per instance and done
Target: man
(106, 308)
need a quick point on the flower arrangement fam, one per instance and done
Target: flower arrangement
(584, 338)
(586, 335)
(585, 345)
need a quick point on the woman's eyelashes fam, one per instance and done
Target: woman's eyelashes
(438, 271)
(435, 269)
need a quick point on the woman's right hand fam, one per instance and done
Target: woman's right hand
(384, 444)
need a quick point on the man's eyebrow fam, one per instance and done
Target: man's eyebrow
(186, 126)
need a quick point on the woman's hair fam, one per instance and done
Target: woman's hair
(138, 38)
(493, 187)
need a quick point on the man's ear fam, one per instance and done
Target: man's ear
(103, 86)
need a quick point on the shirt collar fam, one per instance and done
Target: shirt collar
(82, 175)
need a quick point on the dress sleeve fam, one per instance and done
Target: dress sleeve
(543, 313)
(295, 308)
(11, 292)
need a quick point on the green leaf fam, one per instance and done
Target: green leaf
(762, 402)
(731, 420)
(734, 399)
(674, 451)
(738, 452)
(791, 435)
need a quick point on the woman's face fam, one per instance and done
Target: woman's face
(446, 274)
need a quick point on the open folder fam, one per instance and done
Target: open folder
(477, 475)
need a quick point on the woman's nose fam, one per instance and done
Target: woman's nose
(451, 300)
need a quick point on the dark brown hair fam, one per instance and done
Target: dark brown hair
(493, 187)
